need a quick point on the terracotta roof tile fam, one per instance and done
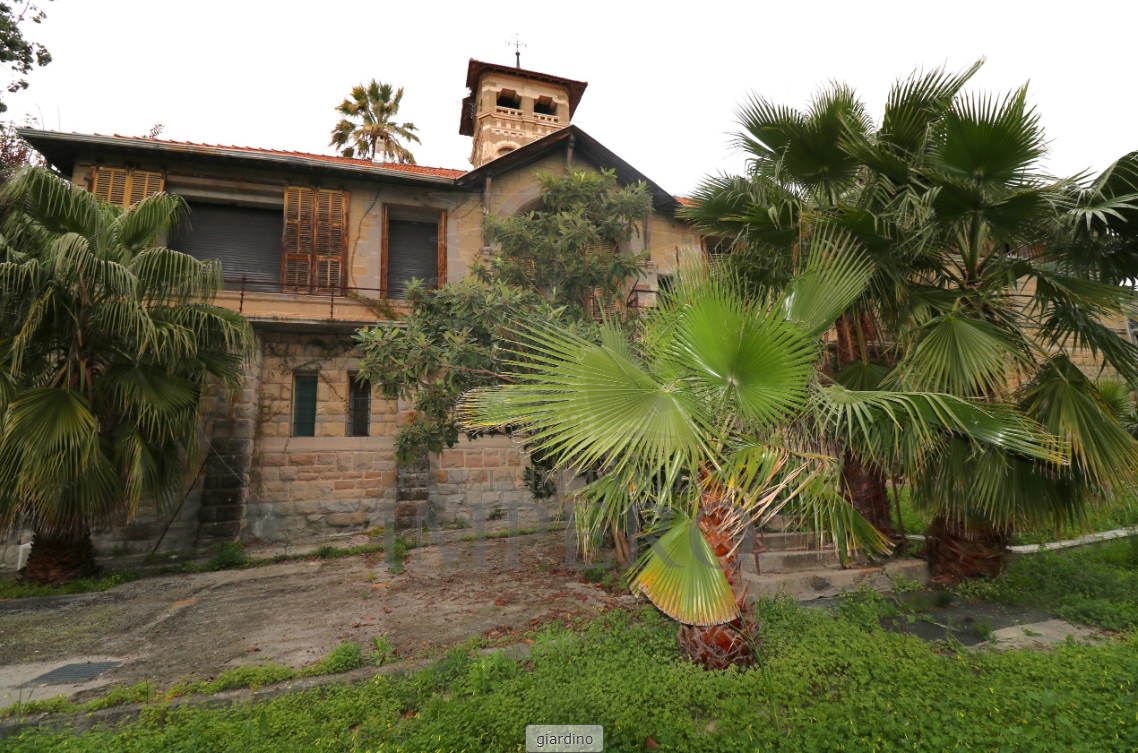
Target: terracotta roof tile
(445, 172)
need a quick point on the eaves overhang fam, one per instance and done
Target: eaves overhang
(63, 149)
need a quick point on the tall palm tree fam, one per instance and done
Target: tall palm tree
(367, 128)
(107, 343)
(713, 418)
(989, 275)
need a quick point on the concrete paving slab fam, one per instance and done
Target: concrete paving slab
(814, 584)
(1040, 634)
(16, 684)
(929, 631)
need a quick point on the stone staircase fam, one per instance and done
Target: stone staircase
(792, 563)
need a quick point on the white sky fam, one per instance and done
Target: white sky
(664, 78)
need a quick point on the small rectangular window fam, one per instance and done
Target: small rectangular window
(304, 405)
(359, 406)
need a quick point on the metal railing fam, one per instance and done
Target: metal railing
(355, 292)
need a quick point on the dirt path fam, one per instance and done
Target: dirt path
(192, 626)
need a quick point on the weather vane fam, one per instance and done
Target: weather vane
(517, 44)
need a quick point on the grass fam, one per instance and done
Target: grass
(826, 682)
(1094, 585)
(12, 589)
(344, 657)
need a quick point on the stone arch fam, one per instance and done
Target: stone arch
(525, 200)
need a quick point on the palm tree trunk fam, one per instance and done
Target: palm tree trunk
(865, 488)
(720, 646)
(956, 550)
(58, 558)
(864, 483)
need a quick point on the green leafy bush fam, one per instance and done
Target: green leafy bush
(228, 555)
(347, 655)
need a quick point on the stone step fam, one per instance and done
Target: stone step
(791, 561)
(777, 523)
(782, 540)
(815, 584)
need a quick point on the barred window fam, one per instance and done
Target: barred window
(359, 406)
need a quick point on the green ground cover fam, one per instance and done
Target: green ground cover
(828, 681)
(1095, 585)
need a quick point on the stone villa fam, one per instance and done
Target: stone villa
(315, 247)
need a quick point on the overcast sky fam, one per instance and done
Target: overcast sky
(664, 79)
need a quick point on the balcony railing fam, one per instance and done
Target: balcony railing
(244, 285)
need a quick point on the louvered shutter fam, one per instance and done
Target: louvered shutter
(142, 184)
(296, 264)
(328, 250)
(109, 184)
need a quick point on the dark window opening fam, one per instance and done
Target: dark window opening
(412, 252)
(359, 406)
(718, 247)
(544, 106)
(304, 405)
(664, 285)
(509, 98)
(246, 241)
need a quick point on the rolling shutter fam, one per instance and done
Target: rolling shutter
(412, 251)
(124, 187)
(246, 241)
(315, 238)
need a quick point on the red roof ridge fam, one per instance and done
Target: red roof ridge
(423, 169)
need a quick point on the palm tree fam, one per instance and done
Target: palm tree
(368, 130)
(107, 343)
(989, 276)
(713, 418)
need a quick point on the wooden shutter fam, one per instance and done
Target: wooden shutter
(383, 251)
(124, 187)
(315, 238)
(442, 249)
(331, 240)
(296, 262)
(141, 183)
(109, 184)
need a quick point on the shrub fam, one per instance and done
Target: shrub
(227, 555)
(347, 655)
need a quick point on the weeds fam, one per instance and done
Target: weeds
(382, 651)
(227, 555)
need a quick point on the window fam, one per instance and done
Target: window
(304, 405)
(315, 238)
(123, 187)
(717, 247)
(414, 246)
(509, 98)
(544, 106)
(664, 285)
(359, 406)
(246, 241)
